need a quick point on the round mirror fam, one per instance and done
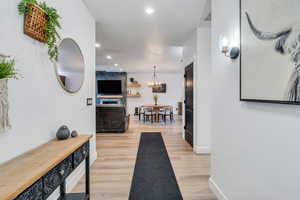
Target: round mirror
(70, 66)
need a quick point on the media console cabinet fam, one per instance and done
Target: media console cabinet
(111, 118)
(35, 175)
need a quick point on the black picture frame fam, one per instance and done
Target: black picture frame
(161, 89)
(240, 68)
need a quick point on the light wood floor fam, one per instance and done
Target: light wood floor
(111, 174)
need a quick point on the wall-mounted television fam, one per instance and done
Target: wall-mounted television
(109, 87)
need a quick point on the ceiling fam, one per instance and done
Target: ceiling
(137, 41)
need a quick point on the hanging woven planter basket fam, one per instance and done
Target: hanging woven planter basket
(4, 106)
(35, 21)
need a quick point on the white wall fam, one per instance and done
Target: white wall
(108, 68)
(203, 91)
(190, 50)
(38, 105)
(255, 146)
(174, 93)
(197, 49)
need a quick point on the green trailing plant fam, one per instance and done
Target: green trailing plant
(23, 6)
(51, 27)
(7, 68)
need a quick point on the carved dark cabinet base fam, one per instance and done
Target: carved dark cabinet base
(56, 177)
(35, 192)
(111, 119)
(80, 155)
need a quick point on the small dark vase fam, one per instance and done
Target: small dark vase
(131, 80)
(63, 133)
(74, 134)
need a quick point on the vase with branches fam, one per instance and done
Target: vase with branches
(155, 98)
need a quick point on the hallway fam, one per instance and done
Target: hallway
(111, 174)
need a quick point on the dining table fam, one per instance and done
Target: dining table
(156, 109)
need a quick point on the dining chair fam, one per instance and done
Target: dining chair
(161, 114)
(136, 111)
(141, 112)
(167, 112)
(148, 114)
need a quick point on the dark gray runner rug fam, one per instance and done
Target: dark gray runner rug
(153, 178)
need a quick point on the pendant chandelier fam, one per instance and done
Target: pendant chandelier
(154, 83)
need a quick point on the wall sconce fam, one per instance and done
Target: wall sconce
(231, 52)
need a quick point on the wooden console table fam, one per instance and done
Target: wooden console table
(36, 174)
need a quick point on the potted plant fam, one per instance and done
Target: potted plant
(41, 22)
(155, 98)
(7, 71)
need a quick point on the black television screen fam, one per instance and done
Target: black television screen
(109, 87)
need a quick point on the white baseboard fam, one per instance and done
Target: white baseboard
(216, 190)
(202, 150)
(79, 173)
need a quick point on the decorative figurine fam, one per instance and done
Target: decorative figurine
(74, 134)
(63, 133)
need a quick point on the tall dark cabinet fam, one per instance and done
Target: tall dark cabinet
(111, 110)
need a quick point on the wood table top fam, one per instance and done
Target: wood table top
(20, 173)
(156, 106)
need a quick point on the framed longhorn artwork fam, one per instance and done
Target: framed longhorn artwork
(270, 51)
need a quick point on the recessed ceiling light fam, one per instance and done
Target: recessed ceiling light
(108, 57)
(149, 11)
(97, 45)
(116, 65)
